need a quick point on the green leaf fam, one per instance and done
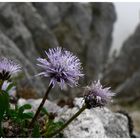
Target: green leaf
(28, 115)
(13, 115)
(24, 107)
(44, 111)
(10, 87)
(52, 127)
(4, 107)
(36, 131)
(4, 103)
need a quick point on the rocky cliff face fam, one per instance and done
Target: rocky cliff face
(27, 29)
(84, 29)
(123, 74)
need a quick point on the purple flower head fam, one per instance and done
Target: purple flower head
(97, 96)
(11, 91)
(61, 66)
(8, 68)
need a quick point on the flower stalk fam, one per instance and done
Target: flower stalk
(41, 105)
(1, 83)
(69, 121)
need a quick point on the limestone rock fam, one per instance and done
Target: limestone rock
(50, 106)
(87, 125)
(93, 123)
(123, 74)
(83, 28)
(98, 122)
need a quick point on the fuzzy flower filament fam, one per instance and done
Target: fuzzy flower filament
(61, 66)
(97, 96)
(8, 68)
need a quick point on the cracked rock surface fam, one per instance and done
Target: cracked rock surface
(93, 123)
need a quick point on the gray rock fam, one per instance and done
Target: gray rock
(87, 125)
(115, 124)
(87, 26)
(42, 35)
(9, 49)
(96, 124)
(50, 106)
(12, 25)
(123, 74)
(93, 123)
(83, 28)
(129, 86)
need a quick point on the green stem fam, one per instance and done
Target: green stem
(40, 106)
(1, 130)
(1, 83)
(68, 122)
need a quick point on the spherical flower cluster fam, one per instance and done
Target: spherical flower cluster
(8, 68)
(61, 66)
(97, 96)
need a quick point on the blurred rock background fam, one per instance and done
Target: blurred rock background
(28, 29)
